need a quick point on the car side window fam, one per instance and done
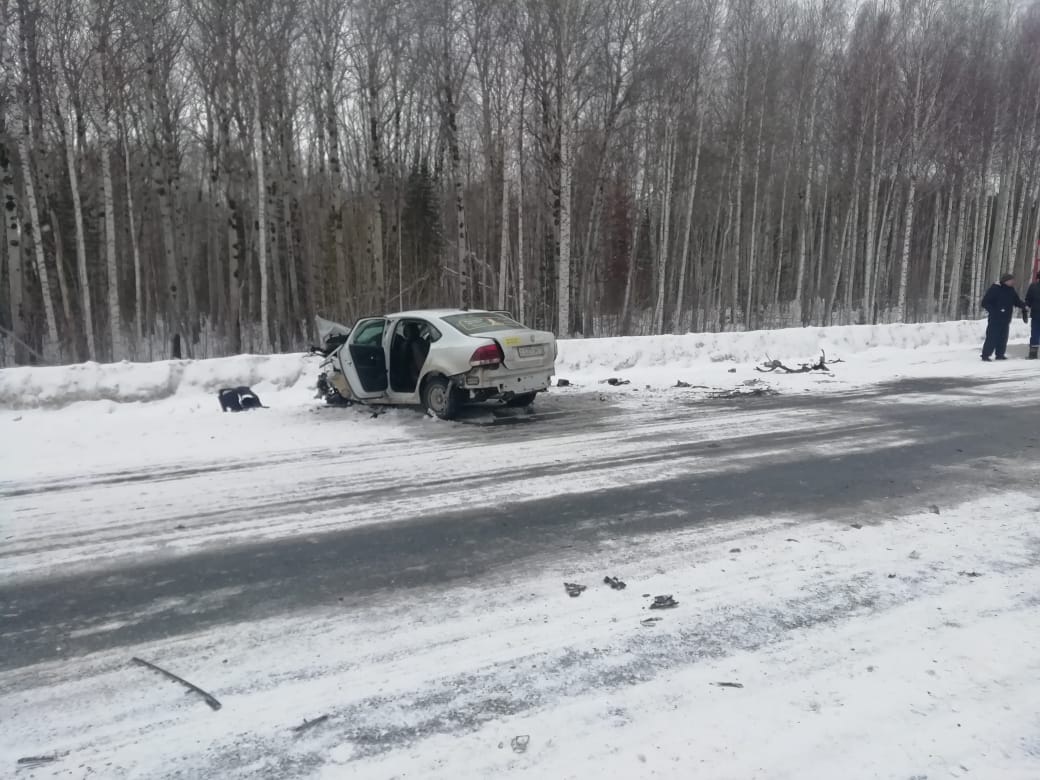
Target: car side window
(370, 334)
(430, 333)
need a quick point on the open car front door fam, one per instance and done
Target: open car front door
(362, 360)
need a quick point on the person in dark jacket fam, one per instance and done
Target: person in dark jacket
(1033, 302)
(999, 302)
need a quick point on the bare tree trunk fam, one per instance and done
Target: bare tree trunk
(940, 306)
(521, 261)
(374, 224)
(957, 275)
(670, 154)
(115, 315)
(135, 249)
(503, 251)
(69, 137)
(933, 257)
(640, 193)
(781, 234)
(680, 297)
(261, 206)
(749, 299)
(50, 348)
(13, 240)
(806, 228)
(978, 261)
(566, 168)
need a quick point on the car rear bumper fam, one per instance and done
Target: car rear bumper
(506, 383)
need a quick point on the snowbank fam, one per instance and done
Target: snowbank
(31, 386)
(587, 360)
(596, 356)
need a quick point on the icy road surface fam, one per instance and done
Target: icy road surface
(860, 569)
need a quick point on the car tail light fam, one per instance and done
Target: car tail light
(488, 355)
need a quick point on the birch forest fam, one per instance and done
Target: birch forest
(193, 178)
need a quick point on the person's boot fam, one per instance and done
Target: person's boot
(1033, 351)
(985, 359)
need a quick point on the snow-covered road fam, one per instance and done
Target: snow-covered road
(863, 560)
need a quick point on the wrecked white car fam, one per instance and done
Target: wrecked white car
(437, 359)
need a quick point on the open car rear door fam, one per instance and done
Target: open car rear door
(362, 360)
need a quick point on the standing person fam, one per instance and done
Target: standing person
(999, 302)
(1033, 302)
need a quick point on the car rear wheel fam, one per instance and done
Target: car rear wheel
(522, 400)
(440, 399)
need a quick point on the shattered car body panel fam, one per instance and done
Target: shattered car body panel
(437, 359)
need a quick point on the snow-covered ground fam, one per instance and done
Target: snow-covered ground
(869, 640)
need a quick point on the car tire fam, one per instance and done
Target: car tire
(440, 399)
(522, 400)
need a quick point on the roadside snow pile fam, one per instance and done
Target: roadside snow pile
(650, 358)
(31, 386)
(595, 358)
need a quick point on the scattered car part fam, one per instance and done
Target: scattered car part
(206, 697)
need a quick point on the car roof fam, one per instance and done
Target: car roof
(433, 313)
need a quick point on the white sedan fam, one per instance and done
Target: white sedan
(437, 359)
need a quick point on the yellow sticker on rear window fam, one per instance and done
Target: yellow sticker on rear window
(512, 341)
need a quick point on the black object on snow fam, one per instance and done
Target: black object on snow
(238, 399)
(663, 602)
(573, 589)
(615, 583)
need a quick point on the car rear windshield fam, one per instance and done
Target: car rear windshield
(472, 323)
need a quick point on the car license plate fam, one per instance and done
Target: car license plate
(536, 351)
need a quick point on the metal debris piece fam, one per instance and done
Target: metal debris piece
(308, 724)
(729, 685)
(34, 761)
(615, 583)
(650, 621)
(206, 697)
(664, 602)
(573, 589)
(519, 743)
(857, 526)
(970, 573)
(735, 550)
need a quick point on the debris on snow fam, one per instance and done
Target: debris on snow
(615, 583)
(664, 602)
(615, 382)
(208, 698)
(728, 685)
(804, 368)
(573, 589)
(934, 509)
(971, 574)
(35, 761)
(520, 742)
(650, 621)
(308, 724)
(857, 526)
(756, 391)
(563, 383)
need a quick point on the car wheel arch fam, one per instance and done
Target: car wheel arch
(451, 398)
